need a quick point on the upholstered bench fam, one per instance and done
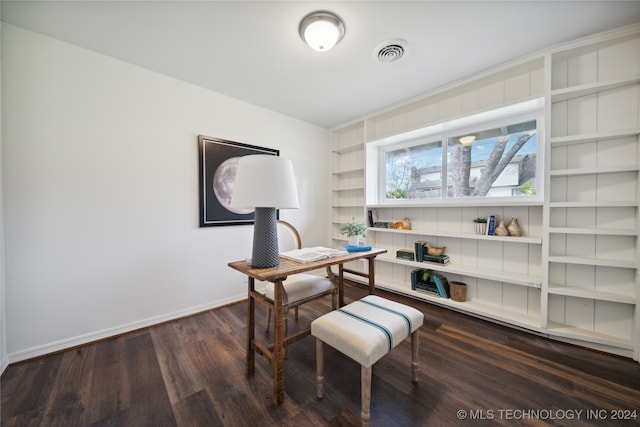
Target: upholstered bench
(366, 330)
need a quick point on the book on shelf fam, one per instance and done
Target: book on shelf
(428, 292)
(407, 254)
(420, 250)
(357, 248)
(425, 286)
(315, 253)
(491, 225)
(440, 259)
(371, 217)
(381, 224)
(442, 284)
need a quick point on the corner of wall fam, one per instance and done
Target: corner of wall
(3, 305)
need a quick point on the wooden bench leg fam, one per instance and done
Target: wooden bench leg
(365, 390)
(319, 368)
(414, 356)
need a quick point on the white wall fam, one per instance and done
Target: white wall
(100, 193)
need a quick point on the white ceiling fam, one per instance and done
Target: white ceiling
(250, 50)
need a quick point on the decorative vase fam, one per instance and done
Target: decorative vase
(481, 228)
(501, 229)
(514, 228)
(353, 240)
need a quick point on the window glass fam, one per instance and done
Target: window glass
(414, 172)
(498, 162)
(493, 154)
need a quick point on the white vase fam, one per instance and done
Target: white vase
(481, 228)
(353, 240)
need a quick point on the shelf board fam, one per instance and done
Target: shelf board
(471, 307)
(471, 271)
(594, 204)
(564, 94)
(561, 330)
(471, 236)
(347, 205)
(347, 171)
(574, 291)
(593, 171)
(348, 148)
(593, 231)
(354, 188)
(590, 137)
(592, 261)
(525, 201)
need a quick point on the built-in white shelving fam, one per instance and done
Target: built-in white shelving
(573, 275)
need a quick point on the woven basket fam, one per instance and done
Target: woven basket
(458, 291)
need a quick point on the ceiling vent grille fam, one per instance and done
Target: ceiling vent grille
(390, 51)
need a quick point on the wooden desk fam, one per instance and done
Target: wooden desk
(274, 354)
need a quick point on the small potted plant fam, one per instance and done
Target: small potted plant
(481, 225)
(353, 230)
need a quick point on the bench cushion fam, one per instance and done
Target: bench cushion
(301, 286)
(367, 329)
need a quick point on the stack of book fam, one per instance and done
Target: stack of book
(422, 255)
(430, 283)
(422, 282)
(440, 259)
(407, 254)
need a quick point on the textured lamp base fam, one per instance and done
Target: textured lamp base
(265, 239)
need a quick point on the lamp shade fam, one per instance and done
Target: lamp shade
(265, 181)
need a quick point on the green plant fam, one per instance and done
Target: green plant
(398, 193)
(528, 189)
(480, 220)
(352, 228)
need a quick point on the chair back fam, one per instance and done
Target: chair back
(288, 237)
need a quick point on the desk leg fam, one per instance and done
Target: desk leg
(372, 279)
(251, 320)
(278, 347)
(340, 285)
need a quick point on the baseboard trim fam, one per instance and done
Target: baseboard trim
(80, 340)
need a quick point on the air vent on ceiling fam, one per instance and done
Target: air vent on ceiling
(390, 50)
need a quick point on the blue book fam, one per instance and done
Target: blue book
(359, 248)
(440, 285)
(491, 228)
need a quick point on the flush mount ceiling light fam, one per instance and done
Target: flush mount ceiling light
(321, 30)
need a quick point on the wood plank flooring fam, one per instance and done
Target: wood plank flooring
(190, 372)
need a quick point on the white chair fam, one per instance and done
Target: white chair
(299, 288)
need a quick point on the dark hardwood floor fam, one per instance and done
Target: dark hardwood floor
(190, 372)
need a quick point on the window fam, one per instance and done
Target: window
(489, 155)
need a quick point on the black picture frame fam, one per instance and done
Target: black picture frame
(217, 166)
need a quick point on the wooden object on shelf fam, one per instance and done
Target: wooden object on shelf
(458, 291)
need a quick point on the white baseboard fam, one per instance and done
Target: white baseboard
(110, 332)
(3, 365)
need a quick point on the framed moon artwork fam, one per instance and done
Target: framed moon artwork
(218, 163)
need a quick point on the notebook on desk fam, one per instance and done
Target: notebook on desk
(315, 253)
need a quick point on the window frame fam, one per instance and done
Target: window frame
(445, 132)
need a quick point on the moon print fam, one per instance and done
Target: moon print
(223, 180)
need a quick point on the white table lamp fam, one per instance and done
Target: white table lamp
(265, 183)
